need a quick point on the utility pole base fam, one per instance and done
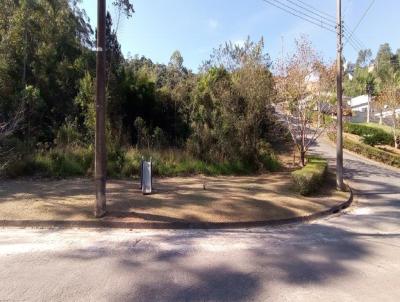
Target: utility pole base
(340, 187)
(99, 212)
(100, 204)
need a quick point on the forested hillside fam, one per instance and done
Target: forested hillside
(220, 116)
(371, 72)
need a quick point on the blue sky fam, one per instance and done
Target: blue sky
(195, 27)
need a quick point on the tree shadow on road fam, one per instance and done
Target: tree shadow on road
(195, 266)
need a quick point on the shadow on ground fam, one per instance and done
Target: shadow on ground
(192, 268)
(193, 199)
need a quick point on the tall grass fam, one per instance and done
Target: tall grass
(53, 163)
(121, 163)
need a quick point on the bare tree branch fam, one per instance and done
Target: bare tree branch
(9, 127)
(304, 84)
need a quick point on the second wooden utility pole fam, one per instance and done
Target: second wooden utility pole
(100, 135)
(339, 75)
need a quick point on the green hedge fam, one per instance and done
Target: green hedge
(308, 179)
(370, 152)
(371, 135)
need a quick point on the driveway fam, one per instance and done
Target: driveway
(354, 256)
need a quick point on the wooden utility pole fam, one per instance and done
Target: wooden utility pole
(100, 135)
(339, 76)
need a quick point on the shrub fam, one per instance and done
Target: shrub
(370, 152)
(62, 164)
(67, 135)
(371, 135)
(308, 179)
(267, 158)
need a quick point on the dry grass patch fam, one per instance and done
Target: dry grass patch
(224, 199)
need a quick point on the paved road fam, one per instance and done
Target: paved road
(351, 257)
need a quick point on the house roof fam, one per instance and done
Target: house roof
(359, 101)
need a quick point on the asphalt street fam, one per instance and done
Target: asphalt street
(352, 256)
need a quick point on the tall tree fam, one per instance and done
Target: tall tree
(45, 46)
(384, 62)
(303, 84)
(231, 108)
(364, 58)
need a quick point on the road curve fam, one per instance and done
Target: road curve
(353, 256)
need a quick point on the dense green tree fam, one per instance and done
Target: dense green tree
(364, 58)
(47, 71)
(44, 46)
(231, 114)
(383, 61)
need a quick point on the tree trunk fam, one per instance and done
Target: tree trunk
(303, 158)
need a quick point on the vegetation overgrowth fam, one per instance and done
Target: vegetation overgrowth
(121, 163)
(220, 120)
(370, 152)
(217, 121)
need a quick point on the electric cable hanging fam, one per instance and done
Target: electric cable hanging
(301, 16)
(321, 22)
(361, 19)
(318, 10)
(332, 20)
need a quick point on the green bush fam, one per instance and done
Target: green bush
(369, 151)
(267, 158)
(308, 179)
(371, 135)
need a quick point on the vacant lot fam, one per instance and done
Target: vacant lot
(213, 199)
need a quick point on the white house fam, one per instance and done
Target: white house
(359, 103)
(361, 108)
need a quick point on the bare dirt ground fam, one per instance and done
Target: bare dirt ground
(224, 199)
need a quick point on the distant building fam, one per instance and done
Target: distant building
(359, 103)
(388, 113)
(359, 107)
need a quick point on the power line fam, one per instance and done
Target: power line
(355, 47)
(348, 7)
(312, 11)
(355, 44)
(321, 19)
(361, 19)
(316, 9)
(353, 40)
(358, 41)
(300, 15)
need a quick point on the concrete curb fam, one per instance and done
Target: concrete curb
(178, 224)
